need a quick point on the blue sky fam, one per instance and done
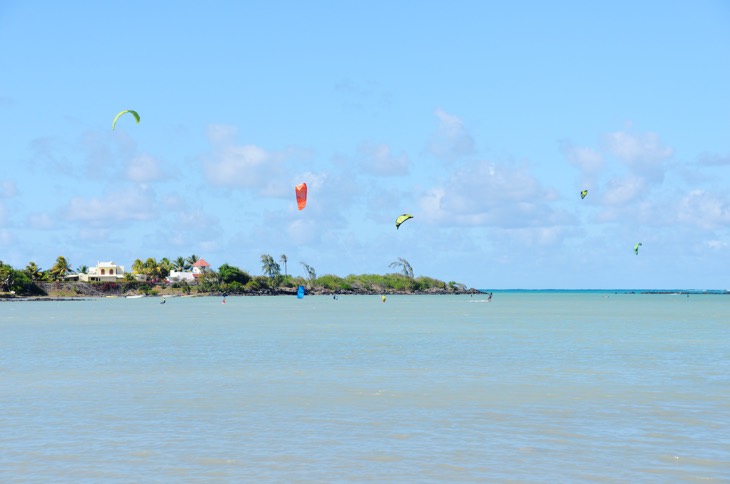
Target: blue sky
(482, 119)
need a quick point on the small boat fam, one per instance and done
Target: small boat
(135, 297)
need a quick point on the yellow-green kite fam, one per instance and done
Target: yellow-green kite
(402, 219)
(133, 113)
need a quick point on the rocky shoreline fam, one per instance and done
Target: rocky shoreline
(78, 291)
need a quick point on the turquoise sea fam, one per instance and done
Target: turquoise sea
(552, 386)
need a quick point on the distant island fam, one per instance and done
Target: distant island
(152, 278)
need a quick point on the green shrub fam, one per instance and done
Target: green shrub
(258, 283)
(234, 287)
(229, 274)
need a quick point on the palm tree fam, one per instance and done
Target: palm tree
(192, 260)
(311, 274)
(283, 260)
(151, 269)
(6, 277)
(180, 264)
(405, 267)
(82, 269)
(60, 268)
(163, 268)
(137, 267)
(34, 272)
(269, 266)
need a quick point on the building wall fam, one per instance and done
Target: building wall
(103, 272)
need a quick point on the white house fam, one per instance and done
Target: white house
(179, 276)
(104, 271)
(199, 268)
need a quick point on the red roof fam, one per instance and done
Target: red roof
(201, 263)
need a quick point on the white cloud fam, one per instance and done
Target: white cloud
(716, 244)
(451, 140)
(191, 228)
(98, 154)
(243, 166)
(706, 211)
(714, 159)
(643, 153)
(485, 193)
(383, 201)
(174, 202)
(94, 234)
(589, 161)
(117, 206)
(41, 221)
(8, 189)
(328, 194)
(45, 155)
(301, 232)
(196, 220)
(144, 168)
(220, 134)
(621, 191)
(379, 160)
(641, 159)
(6, 238)
(547, 236)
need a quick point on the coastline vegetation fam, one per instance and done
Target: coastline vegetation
(151, 277)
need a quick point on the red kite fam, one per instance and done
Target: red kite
(301, 191)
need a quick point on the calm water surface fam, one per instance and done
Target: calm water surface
(530, 387)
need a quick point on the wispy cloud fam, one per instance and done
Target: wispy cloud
(41, 221)
(144, 168)
(8, 189)
(622, 191)
(643, 153)
(713, 159)
(117, 206)
(623, 171)
(486, 193)
(100, 161)
(704, 210)
(242, 166)
(451, 140)
(589, 161)
(46, 156)
(6, 238)
(378, 159)
(363, 95)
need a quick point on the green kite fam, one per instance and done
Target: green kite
(133, 113)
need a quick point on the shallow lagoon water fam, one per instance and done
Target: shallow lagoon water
(531, 387)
